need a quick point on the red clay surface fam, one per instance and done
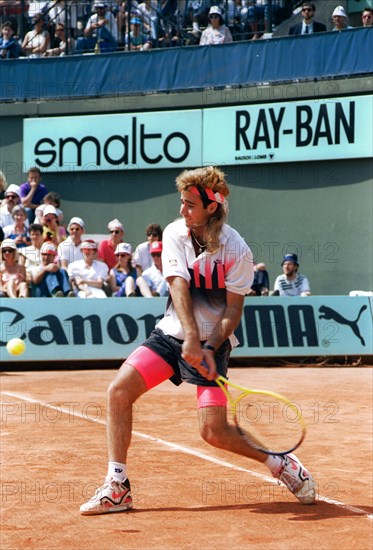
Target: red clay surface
(53, 455)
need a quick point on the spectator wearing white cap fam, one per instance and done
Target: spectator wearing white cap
(70, 249)
(52, 198)
(339, 17)
(216, 32)
(154, 274)
(48, 280)
(11, 198)
(52, 230)
(88, 275)
(123, 277)
(12, 274)
(106, 249)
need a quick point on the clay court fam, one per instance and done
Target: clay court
(187, 495)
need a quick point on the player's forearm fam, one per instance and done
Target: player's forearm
(183, 305)
(227, 324)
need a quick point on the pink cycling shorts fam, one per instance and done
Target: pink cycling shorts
(155, 370)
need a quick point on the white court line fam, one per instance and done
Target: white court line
(186, 450)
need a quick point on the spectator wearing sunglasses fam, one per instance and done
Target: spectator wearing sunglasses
(10, 200)
(216, 32)
(48, 279)
(12, 274)
(123, 277)
(142, 258)
(308, 25)
(107, 247)
(367, 17)
(154, 274)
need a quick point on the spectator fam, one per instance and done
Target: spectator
(291, 283)
(51, 198)
(106, 249)
(37, 41)
(12, 274)
(88, 275)
(30, 256)
(18, 231)
(63, 43)
(154, 274)
(32, 192)
(149, 16)
(308, 25)
(142, 257)
(9, 46)
(216, 32)
(52, 230)
(123, 277)
(48, 279)
(340, 19)
(101, 31)
(70, 250)
(137, 39)
(260, 286)
(123, 17)
(11, 198)
(3, 185)
(367, 17)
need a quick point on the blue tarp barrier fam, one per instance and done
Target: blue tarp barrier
(322, 55)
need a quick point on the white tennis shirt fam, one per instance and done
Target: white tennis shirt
(209, 276)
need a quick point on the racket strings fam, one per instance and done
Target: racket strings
(267, 423)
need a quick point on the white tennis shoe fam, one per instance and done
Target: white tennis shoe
(297, 479)
(113, 496)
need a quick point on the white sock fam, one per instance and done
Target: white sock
(117, 471)
(273, 463)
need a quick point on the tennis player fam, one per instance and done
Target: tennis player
(209, 269)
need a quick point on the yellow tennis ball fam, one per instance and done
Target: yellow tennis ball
(16, 346)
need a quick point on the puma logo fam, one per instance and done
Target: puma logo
(331, 314)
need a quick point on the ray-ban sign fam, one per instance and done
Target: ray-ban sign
(294, 131)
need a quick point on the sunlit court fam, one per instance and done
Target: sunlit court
(186, 493)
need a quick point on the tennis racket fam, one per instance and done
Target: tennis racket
(268, 421)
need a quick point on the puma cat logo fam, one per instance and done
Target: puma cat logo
(331, 314)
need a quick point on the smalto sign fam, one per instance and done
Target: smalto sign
(274, 132)
(106, 142)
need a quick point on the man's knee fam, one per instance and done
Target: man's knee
(126, 387)
(212, 425)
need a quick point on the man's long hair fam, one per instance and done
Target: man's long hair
(208, 177)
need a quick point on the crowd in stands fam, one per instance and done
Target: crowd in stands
(56, 28)
(41, 257)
